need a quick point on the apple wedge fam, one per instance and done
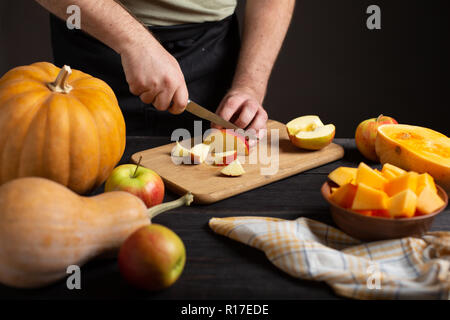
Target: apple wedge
(234, 169)
(223, 158)
(225, 140)
(179, 151)
(308, 132)
(199, 153)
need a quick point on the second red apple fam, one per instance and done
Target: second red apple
(366, 134)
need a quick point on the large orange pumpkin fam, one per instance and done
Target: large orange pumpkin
(59, 124)
(415, 148)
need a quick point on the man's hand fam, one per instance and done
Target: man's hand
(265, 26)
(242, 107)
(152, 73)
(155, 76)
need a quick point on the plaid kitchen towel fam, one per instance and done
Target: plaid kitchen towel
(408, 268)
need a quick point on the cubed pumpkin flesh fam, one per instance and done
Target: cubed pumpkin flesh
(398, 171)
(403, 204)
(368, 198)
(381, 213)
(370, 177)
(390, 193)
(368, 213)
(343, 175)
(425, 180)
(401, 183)
(429, 201)
(344, 195)
(388, 174)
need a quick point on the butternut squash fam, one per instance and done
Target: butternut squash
(45, 227)
(416, 149)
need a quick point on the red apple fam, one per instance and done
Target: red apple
(152, 258)
(227, 140)
(366, 133)
(142, 182)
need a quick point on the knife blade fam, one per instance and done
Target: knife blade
(203, 113)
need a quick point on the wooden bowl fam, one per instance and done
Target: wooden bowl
(369, 228)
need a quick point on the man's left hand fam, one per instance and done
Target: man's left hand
(242, 107)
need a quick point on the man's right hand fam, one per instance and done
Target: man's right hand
(155, 76)
(151, 72)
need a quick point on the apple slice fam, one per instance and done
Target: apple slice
(180, 151)
(308, 132)
(316, 139)
(199, 153)
(225, 140)
(234, 169)
(305, 123)
(224, 158)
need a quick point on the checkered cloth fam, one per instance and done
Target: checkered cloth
(408, 268)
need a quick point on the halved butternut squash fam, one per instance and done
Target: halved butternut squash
(415, 148)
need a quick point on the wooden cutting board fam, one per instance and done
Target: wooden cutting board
(208, 185)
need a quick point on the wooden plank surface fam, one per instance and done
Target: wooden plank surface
(209, 186)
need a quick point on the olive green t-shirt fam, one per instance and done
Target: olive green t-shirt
(172, 12)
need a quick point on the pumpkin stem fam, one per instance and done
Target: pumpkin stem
(379, 118)
(185, 200)
(137, 167)
(60, 85)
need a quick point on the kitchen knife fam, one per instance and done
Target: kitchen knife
(203, 113)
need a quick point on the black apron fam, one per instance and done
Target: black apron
(207, 54)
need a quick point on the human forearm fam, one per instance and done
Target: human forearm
(265, 26)
(105, 20)
(151, 72)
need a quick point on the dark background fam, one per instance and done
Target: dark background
(330, 65)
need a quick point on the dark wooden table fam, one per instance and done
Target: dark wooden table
(217, 267)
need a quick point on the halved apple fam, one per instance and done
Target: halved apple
(225, 140)
(199, 153)
(223, 158)
(308, 132)
(234, 169)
